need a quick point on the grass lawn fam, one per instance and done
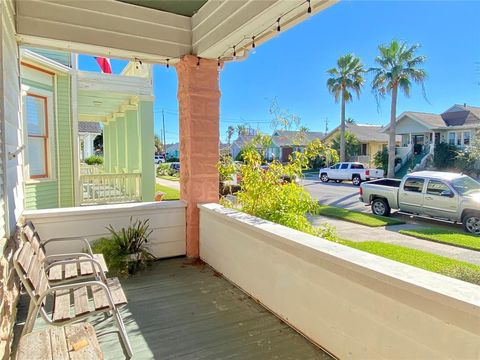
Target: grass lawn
(446, 236)
(421, 259)
(357, 217)
(170, 194)
(168, 177)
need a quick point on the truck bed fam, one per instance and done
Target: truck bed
(386, 182)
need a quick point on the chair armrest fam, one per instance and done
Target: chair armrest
(69, 256)
(70, 239)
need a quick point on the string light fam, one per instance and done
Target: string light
(219, 66)
(278, 25)
(168, 65)
(309, 10)
(234, 53)
(253, 45)
(198, 62)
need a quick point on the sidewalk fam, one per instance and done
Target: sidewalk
(390, 234)
(171, 184)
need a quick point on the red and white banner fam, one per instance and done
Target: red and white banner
(104, 64)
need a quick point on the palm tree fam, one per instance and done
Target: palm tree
(398, 64)
(346, 77)
(230, 132)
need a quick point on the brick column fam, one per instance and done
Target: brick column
(199, 102)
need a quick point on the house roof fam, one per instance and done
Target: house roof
(242, 140)
(365, 132)
(172, 147)
(457, 115)
(295, 138)
(89, 127)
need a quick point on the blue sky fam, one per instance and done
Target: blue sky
(292, 66)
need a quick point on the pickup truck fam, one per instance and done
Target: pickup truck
(439, 195)
(353, 171)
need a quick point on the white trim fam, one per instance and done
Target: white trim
(43, 61)
(75, 143)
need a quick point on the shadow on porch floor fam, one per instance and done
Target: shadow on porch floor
(182, 309)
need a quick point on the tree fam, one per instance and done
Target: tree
(398, 67)
(350, 120)
(242, 130)
(345, 78)
(352, 145)
(158, 144)
(303, 129)
(230, 132)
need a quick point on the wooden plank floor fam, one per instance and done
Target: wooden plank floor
(182, 309)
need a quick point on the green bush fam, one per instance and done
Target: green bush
(380, 160)
(94, 160)
(166, 170)
(444, 156)
(173, 159)
(126, 250)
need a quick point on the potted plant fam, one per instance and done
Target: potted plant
(126, 250)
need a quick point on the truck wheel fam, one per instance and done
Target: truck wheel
(324, 177)
(380, 207)
(471, 223)
(356, 180)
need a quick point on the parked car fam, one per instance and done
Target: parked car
(159, 159)
(439, 195)
(353, 171)
(175, 166)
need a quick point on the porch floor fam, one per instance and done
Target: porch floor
(182, 309)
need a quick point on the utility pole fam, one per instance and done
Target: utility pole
(164, 137)
(326, 125)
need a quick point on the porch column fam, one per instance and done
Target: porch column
(106, 147)
(132, 147)
(199, 101)
(145, 129)
(121, 143)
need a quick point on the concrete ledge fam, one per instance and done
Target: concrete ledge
(167, 220)
(354, 304)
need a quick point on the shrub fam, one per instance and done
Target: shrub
(173, 159)
(444, 156)
(380, 160)
(94, 160)
(166, 170)
(126, 250)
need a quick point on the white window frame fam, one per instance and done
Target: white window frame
(459, 136)
(50, 151)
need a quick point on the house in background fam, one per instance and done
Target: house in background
(372, 139)
(243, 139)
(421, 132)
(58, 102)
(284, 143)
(87, 132)
(172, 151)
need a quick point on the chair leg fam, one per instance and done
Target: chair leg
(123, 333)
(31, 317)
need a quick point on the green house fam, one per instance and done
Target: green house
(55, 97)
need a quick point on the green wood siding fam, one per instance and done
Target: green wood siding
(58, 56)
(65, 143)
(41, 195)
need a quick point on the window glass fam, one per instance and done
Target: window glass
(356, 166)
(344, 166)
(465, 185)
(436, 187)
(336, 166)
(459, 138)
(451, 138)
(36, 116)
(466, 138)
(37, 130)
(413, 185)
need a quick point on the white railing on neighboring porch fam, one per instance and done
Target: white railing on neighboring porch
(110, 188)
(405, 153)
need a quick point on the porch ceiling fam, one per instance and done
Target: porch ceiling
(98, 105)
(119, 29)
(184, 7)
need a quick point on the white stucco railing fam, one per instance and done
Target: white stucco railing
(110, 188)
(167, 220)
(354, 304)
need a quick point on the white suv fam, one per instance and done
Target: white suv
(159, 159)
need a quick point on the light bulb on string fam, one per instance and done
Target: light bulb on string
(253, 45)
(234, 53)
(168, 65)
(309, 10)
(278, 25)
(219, 66)
(198, 63)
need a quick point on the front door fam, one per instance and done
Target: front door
(410, 197)
(286, 152)
(440, 200)
(437, 138)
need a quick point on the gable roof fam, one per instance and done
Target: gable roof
(365, 132)
(89, 127)
(295, 138)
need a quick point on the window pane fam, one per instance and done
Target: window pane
(459, 138)
(466, 138)
(436, 187)
(36, 157)
(451, 138)
(413, 184)
(344, 166)
(35, 114)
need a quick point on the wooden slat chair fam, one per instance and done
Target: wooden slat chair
(59, 271)
(71, 302)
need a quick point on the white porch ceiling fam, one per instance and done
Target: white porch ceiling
(116, 29)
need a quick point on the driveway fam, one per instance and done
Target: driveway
(345, 195)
